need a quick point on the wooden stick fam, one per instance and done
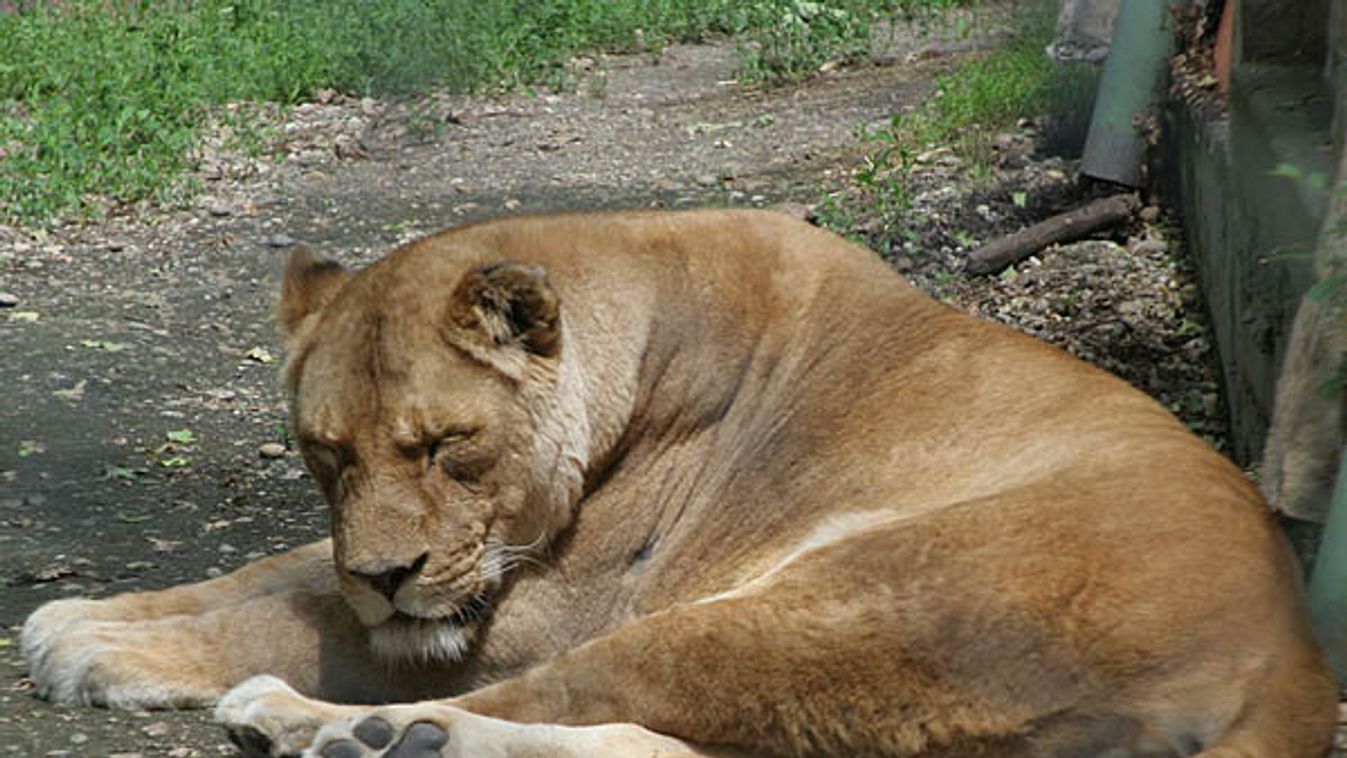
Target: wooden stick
(1064, 227)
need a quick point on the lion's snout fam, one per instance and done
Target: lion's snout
(387, 580)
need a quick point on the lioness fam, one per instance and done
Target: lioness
(719, 482)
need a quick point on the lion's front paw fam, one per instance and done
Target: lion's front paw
(116, 664)
(47, 623)
(264, 716)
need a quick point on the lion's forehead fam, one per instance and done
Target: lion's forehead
(341, 399)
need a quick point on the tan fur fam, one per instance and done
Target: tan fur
(722, 479)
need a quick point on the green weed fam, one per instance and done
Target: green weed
(971, 105)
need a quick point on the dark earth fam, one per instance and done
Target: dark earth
(142, 431)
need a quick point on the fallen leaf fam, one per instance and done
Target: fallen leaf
(30, 447)
(133, 518)
(181, 436)
(74, 393)
(122, 472)
(111, 347)
(48, 573)
(164, 546)
(25, 316)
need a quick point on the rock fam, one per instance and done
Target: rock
(707, 180)
(1149, 214)
(1150, 247)
(116, 246)
(512, 204)
(280, 240)
(799, 211)
(157, 729)
(220, 210)
(271, 450)
(8, 299)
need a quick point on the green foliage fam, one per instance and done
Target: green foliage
(102, 102)
(970, 106)
(1015, 81)
(790, 39)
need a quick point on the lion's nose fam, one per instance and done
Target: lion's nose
(387, 582)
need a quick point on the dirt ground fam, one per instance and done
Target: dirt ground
(142, 413)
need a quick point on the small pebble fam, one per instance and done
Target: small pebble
(79, 738)
(1150, 213)
(220, 210)
(795, 210)
(1150, 247)
(272, 450)
(8, 299)
(280, 240)
(116, 246)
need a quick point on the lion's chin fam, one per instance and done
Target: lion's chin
(415, 640)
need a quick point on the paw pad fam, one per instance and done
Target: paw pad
(421, 740)
(374, 732)
(343, 749)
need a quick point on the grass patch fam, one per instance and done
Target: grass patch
(971, 105)
(102, 103)
(790, 39)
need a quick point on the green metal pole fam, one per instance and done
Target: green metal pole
(1328, 579)
(1130, 89)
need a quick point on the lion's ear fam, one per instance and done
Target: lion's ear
(509, 303)
(310, 282)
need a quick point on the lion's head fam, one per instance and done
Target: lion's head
(434, 405)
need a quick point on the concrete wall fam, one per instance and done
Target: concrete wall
(1283, 30)
(1251, 230)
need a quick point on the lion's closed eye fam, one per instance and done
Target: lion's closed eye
(458, 454)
